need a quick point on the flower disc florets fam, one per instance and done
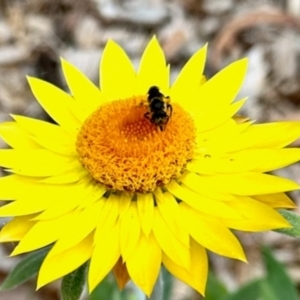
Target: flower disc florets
(124, 151)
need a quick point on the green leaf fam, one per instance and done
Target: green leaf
(278, 280)
(25, 269)
(215, 289)
(250, 291)
(72, 284)
(294, 220)
(266, 291)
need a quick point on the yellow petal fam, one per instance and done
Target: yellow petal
(36, 162)
(64, 148)
(269, 135)
(145, 207)
(60, 206)
(245, 184)
(84, 223)
(17, 228)
(206, 191)
(229, 81)
(153, 70)
(55, 102)
(169, 209)
(105, 256)
(130, 230)
(206, 205)
(124, 202)
(169, 242)
(58, 265)
(87, 96)
(261, 217)
(39, 128)
(57, 147)
(209, 118)
(259, 160)
(75, 175)
(56, 200)
(240, 119)
(42, 234)
(264, 160)
(279, 200)
(144, 264)
(20, 208)
(196, 275)
(117, 75)
(48, 135)
(11, 185)
(16, 137)
(107, 217)
(226, 132)
(189, 79)
(97, 192)
(211, 233)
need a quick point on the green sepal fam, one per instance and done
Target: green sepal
(27, 268)
(73, 284)
(294, 220)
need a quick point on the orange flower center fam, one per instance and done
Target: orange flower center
(123, 150)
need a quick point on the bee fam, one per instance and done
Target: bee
(160, 110)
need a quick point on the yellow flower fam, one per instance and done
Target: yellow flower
(107, 184)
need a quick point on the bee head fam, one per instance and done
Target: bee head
(154, 92)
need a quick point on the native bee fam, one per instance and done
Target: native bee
(159, 108)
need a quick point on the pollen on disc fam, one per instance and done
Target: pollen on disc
(124, 151)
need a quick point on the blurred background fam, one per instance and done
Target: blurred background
(35, 33)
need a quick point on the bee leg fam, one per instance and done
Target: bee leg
(147, 116)
(167, 120)
(162, 127)
(170, 108)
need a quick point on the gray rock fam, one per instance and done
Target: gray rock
(133, 12)
(13, 54)
(217, 7)
(6, 34)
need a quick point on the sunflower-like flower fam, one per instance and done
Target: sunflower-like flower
(128, 184)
